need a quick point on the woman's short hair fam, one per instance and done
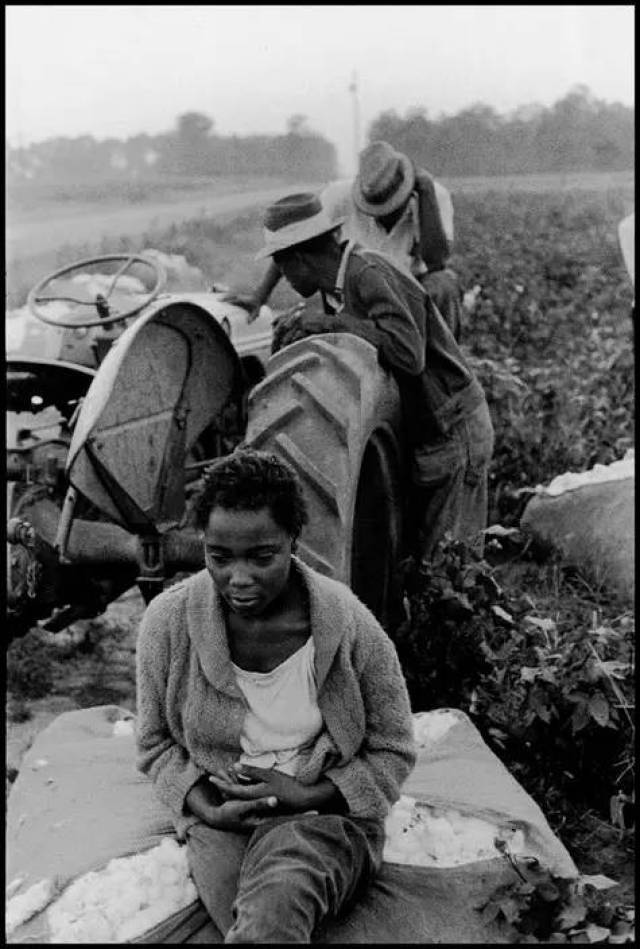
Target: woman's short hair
(248, 480)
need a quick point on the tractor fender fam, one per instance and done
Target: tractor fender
(328, 409)
(165, 379)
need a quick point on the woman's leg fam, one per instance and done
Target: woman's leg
(215, 858)
(299, 871)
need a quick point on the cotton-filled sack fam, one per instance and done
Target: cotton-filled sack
(78, 806)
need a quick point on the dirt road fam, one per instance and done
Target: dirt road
(33, 233)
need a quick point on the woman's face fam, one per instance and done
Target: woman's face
(248, 557)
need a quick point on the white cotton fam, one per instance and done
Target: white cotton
(125, 899)
(470, 298)
(21, 908)
(14, 886)
(421, 835)
(180, 274)
(430, 727)
(101, 283)
(123, 727)
(570, 480)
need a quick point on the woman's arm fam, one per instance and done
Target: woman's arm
(371, 782)
(158, 754)
(289, 794)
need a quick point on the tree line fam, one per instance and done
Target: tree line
(578, 133)
(191, 149)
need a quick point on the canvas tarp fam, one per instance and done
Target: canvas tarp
(78, 802)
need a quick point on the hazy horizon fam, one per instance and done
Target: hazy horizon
(116, 71)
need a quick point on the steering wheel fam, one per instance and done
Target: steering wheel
(106, 314)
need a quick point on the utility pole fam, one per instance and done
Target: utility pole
(353, 89)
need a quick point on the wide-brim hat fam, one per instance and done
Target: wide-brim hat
(293, 220)
(384, 181)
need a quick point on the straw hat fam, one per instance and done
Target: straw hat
(292, 220)
(384, 181)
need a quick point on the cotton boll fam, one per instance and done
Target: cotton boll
(130, 896)
(169, 852)
(421, 835)
(430, 727)
(94, 928)
(169, 876)
(14, 886)
(188, 893)
(21, 908)
(141, 923)
(129, 903)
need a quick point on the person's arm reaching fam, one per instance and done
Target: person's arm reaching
(252, 302)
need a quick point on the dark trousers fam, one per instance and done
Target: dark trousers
(450, 478)
(279, 883)
(444, 290)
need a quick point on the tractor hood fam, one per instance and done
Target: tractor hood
(168, 377)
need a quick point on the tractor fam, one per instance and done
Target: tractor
(120, 393)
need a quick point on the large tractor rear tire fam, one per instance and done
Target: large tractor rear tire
(329, 410)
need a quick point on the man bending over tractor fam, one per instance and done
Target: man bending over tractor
(400, 211)
(363, 292)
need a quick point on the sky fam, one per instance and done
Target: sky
(116, 71)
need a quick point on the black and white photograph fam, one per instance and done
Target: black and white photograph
(320, 470)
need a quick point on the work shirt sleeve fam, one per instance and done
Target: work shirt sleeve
(387, 322)
(159, 756)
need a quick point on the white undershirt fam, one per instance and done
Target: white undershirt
(283, 719)
(401, 241)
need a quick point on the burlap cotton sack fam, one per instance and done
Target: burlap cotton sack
(79, 802)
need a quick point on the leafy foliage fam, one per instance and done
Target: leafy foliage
(552, 696)
(540, 907)
(29, 669)
(577, 132)
(191, 149)
(551, 334)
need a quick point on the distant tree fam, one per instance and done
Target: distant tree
(387, 127)
(578, 132)
(194, 126)
(297, 124)
(188, 150)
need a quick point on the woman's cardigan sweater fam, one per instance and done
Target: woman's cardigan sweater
(190, 710)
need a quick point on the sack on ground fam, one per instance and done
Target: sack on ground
(92, 855)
